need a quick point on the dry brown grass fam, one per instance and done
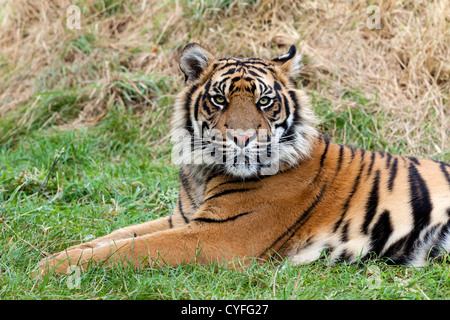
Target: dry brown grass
(404, 66)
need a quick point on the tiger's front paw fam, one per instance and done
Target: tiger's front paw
(63, 262)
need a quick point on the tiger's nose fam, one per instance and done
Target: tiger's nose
(242, 139)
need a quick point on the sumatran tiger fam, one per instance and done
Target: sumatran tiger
(258, 181)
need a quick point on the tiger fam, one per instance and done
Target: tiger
(259, 182)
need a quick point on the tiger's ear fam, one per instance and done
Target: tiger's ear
(194, 60)
(290, 63)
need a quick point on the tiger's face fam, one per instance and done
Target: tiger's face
(240, 115)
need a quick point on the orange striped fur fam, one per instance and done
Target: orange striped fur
(324, 198)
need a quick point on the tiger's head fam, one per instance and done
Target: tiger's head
(241, 116)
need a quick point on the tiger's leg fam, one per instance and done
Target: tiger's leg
(193, 242)
(127, 232)
(145, 228)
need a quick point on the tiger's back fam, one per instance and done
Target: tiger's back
(349, 203)
(375, 204)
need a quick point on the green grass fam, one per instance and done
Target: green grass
(365, 125)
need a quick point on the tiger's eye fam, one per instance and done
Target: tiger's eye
(219, 99)
(263, 101)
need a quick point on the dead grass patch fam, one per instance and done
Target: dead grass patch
(404, 66)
